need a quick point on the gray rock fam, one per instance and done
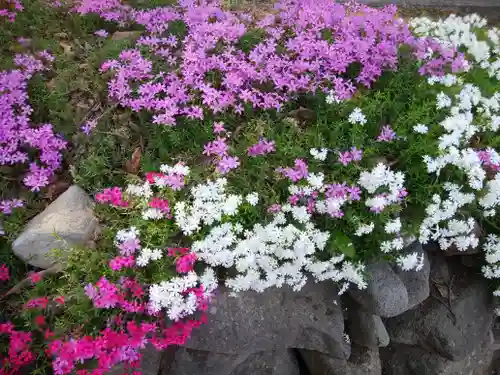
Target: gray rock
(385, 295)
(416, 282)
(366, 329)
(278, 318)
(197, 362)
(454, 331)
(69, 217)
(413, 360)
(363, 361)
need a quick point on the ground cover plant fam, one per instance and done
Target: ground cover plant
(226, 146)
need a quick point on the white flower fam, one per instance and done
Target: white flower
(420, 128)
(143, 190)
(316, 180)
(393, 226)
(252, 198)
(364, 229)
(357, 117)
(319, 154)
(412, 261)
(443, 100)
(152, 214)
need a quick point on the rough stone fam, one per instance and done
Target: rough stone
(68, 221)
(366, 329)
(452, 331)
(413, 360)
(363, 361)
(416, 282)
(150, 362)
(386, 295)
(194, 362)
(278, 318)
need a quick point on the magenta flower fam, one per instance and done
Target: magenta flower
(386, 134)
(185, 263)
(227, 163)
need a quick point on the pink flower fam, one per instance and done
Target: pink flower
(356, 154)
(217, 147)
(227, 163)
(263, 147)
(185, 263)
(129, 246)
(274, 208)
(218, 127)
(297, 173)
(102, 33)
(37, 303)
(117, 263)
(59, 300)
(345, 158)
(161, 204)
(4, 273)
(35, 277)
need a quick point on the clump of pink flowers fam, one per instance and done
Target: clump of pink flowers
(112, 196)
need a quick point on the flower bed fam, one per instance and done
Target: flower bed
(308, 142)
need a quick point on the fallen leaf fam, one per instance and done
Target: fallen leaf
(67, 48)
(133, 165)
(120, 35)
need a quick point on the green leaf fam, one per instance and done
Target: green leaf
(343, 244)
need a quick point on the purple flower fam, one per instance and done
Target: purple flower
(88, 126)
(6, 206)
(356, 154)
(227, 163)
(386, 134)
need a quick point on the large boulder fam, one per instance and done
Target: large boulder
(414, 360)
(450, 325)
(363, 361)
(277, 319)
(68, 221)
(385, 295)
(366, 329)
(193, 362)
